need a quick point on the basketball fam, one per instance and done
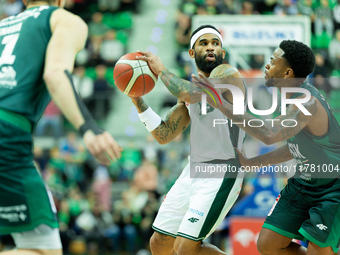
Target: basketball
(133, 77)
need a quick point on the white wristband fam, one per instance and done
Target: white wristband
(150, 119)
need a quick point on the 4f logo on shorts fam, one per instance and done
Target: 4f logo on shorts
(193, 220)
(321, 226)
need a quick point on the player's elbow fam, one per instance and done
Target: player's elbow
(269, 139)
(50, 76)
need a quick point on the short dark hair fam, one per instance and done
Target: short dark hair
(200, 28)
(299, 57)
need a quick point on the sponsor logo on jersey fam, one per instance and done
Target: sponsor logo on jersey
(322, 226)
(14, 213)
(193, 220)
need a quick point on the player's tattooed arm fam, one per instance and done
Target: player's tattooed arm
(176, 121)
(273, 131)
(279, 155)
(179, 87)
(227, 74)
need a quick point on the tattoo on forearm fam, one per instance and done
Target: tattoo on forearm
(223, 72)
(141, 105)
(168, 127)
(277, 156)
(177, 86)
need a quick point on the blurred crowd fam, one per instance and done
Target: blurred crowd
(111, 209)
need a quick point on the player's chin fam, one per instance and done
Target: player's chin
(269, 83)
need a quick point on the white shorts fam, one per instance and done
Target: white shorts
(194, 207)
(42, 237)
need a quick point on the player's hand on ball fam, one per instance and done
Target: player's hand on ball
(155, 63)
(103, 147)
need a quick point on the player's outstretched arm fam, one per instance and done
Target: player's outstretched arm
(271, 131)
(69, 34)
(176, 121)
(279, 155)
(179, 87)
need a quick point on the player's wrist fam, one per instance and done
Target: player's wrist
(161, 70)
(89, 125)
(150, 119)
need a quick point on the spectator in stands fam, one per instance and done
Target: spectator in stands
(211, 6)
(229, 7)
(336, 15)
(323, 20)
(286, 7)
(84, 85)
(74, 155)
(108, 5)
(13, 7)
(96, 26)
(110, 42)
(321, 65)
(183, 29)
(41, 157)
(188, 7)
(102, 93)
(2, 9)
(129, 5)
(305, 7)
(248, 8)
(51, 117)
(146, 176)
(101, 187)
(321, 72)
(334, 50)
(94, 225)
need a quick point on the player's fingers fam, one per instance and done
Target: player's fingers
(145, 58)
(204, 79)
(197, 82)
(113, 148)
(98, 150)
(142, 52)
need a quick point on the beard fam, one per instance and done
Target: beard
(207, 66)
(270, 82)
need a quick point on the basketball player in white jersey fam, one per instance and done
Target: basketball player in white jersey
(194, 207)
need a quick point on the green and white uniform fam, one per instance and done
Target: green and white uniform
(25, 202)
(309, 206)
(194, 207)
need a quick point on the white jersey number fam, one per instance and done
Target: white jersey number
(6, 56)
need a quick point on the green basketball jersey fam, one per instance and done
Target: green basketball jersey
(23, 42)
(318, 157)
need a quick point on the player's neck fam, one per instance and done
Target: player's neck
(291, 83)
(204, 73)
(37, 4)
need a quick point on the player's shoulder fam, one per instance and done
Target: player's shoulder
(224, 71)
(62, 16)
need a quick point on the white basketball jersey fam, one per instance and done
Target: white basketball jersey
(208, 142)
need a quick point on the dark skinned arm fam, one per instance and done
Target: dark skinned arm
(279, 155)
(273, 131)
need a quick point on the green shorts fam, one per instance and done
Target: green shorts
(304, 217)
(25, 202)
